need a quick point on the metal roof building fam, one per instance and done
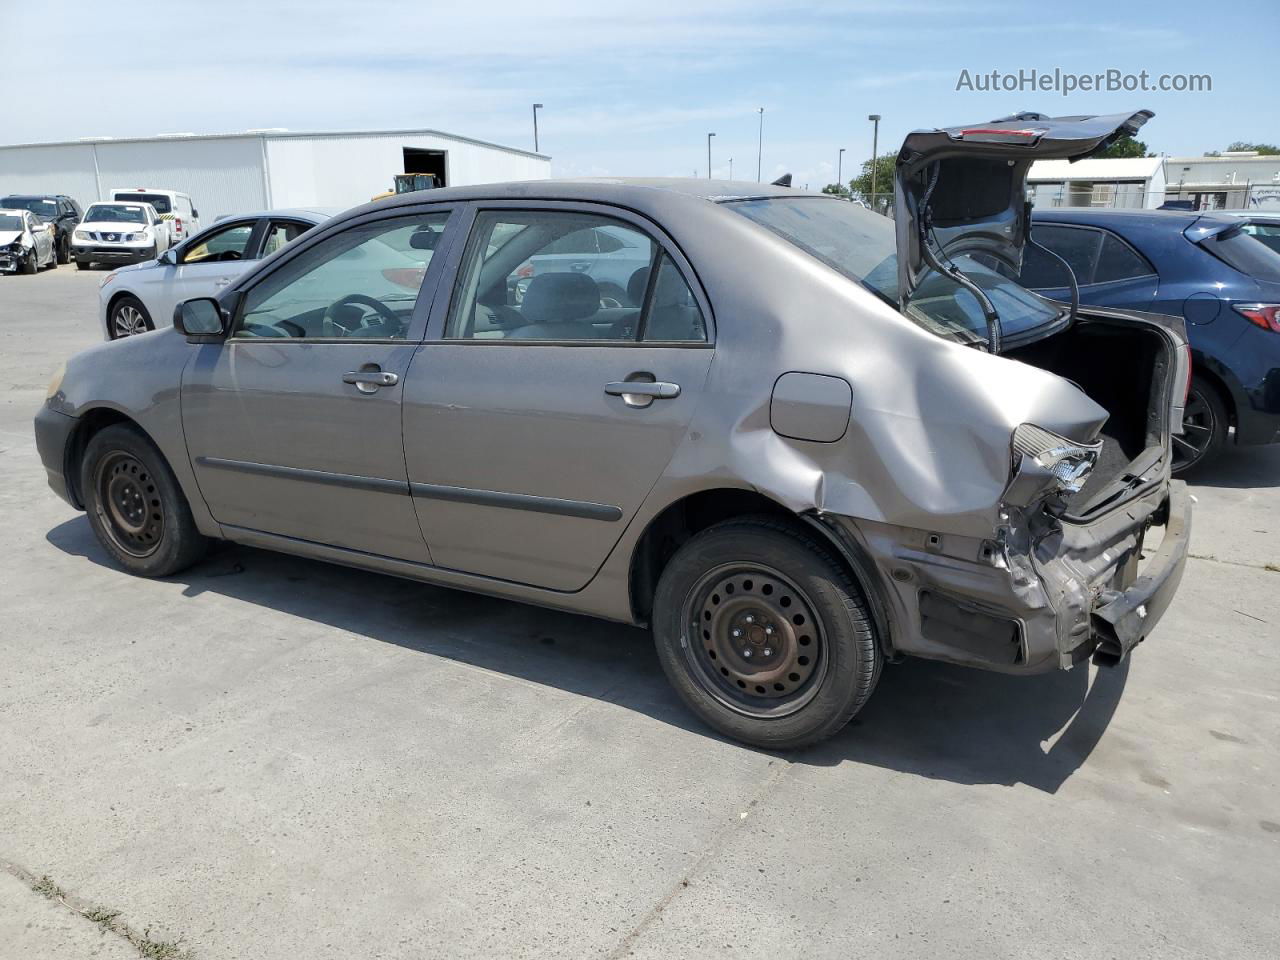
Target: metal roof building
(261, 169)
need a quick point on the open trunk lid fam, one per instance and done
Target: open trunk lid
(962, 190)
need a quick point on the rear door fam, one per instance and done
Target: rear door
(293, 423)
(1110, 272)
(535, 429)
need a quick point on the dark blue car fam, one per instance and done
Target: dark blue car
(1203, 267)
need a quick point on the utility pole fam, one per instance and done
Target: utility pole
(875, 147)
(840, 168)
(536, 108)
(731, 168)
(709, 136)
(760, 145)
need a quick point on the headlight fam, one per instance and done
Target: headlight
(81, 235)
(1045, 464)
(105, 280)
(136, 236)
(56, 383)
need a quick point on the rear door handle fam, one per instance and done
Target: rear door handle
(368, 381)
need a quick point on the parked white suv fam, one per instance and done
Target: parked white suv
(175, 209)
(119, 233)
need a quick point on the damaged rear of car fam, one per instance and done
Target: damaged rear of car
(1073, 543)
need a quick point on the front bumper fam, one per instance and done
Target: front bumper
(11, 262)
(1029, 599)
(112, 254)
(53, 436)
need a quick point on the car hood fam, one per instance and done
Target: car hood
(111, 226)
(965, 187)
(9, 236)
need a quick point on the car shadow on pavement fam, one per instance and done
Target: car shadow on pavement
(1243, 467)
(928, 719)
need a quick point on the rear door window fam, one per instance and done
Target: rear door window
(1076, 245)
(281, 232)
(1119, 261)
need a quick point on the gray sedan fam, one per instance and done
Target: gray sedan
(138, 298)
(818, 441)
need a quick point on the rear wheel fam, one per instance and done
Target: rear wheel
(135, 506)
(64, 250)
(764, 635)
(1204, 428)
(129, 318)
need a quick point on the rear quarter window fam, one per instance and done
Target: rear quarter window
(1247, 254)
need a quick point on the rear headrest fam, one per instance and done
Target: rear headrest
(560, 296)
(635, 286)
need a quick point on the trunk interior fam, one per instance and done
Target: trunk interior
(1124, 368)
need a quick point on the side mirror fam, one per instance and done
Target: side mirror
(169, 258)
(195, 214)
(200, 320)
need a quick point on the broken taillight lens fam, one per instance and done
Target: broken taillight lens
(1264, 315)
(1045, 464)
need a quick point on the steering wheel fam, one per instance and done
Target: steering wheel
(332, 328)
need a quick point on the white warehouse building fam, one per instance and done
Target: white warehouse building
(261, 169)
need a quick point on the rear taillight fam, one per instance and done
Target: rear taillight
(1264, 315)
(177, 222)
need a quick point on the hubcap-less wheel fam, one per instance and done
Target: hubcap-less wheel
(1199, 425)
(129, 503)
(762, 648)
(128, 321)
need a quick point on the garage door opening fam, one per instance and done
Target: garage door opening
(417, 160)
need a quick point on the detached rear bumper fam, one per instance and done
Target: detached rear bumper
(1122, 620)
(1038, 594)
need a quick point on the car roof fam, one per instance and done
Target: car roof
(314, 214)
(1121, 216)
(601, 189)
(19, 212)
(36, 196)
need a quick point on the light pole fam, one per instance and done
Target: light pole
(840, 168)
(875, 146)
(731, 168)
(760, 145)
(536, 108)
(709, 136)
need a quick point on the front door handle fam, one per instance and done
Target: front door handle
(222, 281)
(369, 380)
(661, 390)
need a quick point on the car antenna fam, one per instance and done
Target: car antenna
(782, 181)
(951, 271)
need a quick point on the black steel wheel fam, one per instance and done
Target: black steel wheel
(136, 508)
(764, 634)
(762, 644)
(129, 501)
(1204, 428)
(129, 318)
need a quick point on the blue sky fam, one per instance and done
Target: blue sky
(628, 88)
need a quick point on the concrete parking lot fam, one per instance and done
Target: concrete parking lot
(268, 757)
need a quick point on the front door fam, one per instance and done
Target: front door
(293, 423)
(541, 411)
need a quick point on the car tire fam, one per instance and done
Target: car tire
(83, 264)
(64, 250)
(129, 318)
(136, 508)
(53, 257)
(31, 263)
(813, 659)
(1205, 423)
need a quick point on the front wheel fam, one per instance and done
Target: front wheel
(135, 506)
(64, 251)
(31, 263)
(764, 635)
(1204, 428)
(129, 318)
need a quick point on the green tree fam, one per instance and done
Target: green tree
(1265, 149)
(1124, 148)
(839, 189)
(861, 184)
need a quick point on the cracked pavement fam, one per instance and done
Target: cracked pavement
(271, 758)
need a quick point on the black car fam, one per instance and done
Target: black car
(56, 208)
(1210, 269)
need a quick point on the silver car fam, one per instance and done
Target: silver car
(140, 297)
(822, 441)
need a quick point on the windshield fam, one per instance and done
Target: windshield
(1247, 254)
(10, 221)
(157, 200)
(863, 246)
(115, 212)
(46, 209)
